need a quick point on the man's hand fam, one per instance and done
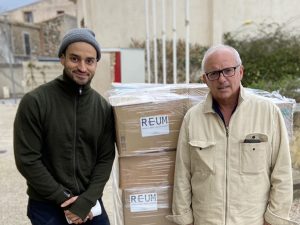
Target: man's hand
(69, 215)
(90, 216)
(73, 217)
(69, 201)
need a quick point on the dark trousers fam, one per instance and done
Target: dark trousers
(45, 213)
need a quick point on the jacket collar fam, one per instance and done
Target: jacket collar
(72, 86)
(208, 104)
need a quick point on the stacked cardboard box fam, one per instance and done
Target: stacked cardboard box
(148, 120)
(147, 129)
(148, 126)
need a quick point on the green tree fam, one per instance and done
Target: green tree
(271, 57)
(270, 54)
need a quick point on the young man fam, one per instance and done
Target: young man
(233, 162)
(64, 139)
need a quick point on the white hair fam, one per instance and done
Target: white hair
(218, 47)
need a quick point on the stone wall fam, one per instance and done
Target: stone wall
(52, 32)
(36, 73)
(14, 33)
(11, 80)
(21, 78)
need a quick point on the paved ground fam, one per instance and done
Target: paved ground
(13, 199)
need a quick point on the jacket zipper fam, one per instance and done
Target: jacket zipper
(75, 137)
(226, 174)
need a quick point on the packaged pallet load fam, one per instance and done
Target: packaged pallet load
(148, 120)
(147, 123)
(148, 198)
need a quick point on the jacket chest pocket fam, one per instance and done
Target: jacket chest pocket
(202, 156)
(253, 157)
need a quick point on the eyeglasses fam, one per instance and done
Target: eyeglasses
(227, 72)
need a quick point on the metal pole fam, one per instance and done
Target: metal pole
(154, 40)
(147, 41)
(164, 42)
(187, 41)
(174, 44)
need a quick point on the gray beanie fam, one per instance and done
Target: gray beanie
(79, 35)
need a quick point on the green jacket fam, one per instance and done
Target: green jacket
(64, 143)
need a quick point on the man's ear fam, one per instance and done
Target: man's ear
(241, 72)
(62, 60)
(203, 78)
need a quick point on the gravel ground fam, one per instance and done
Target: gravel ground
(13, 187)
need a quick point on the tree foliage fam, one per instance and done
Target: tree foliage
(271, 58)
(270, 55)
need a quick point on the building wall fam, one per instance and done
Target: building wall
(12, 38)
(117, 22)
(52, 32)
(36, 73)
(43, 10)
(21, 78)
(11, 79)
(45, 34)
(18, 31)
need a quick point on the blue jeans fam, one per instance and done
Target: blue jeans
(45, 213)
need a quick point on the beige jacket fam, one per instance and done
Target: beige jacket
(219, 179)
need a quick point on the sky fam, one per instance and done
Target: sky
(12, 4)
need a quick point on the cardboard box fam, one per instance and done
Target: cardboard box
(150, 169)
(146, 206)
(150, 126)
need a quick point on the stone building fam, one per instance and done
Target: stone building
(29, 36)
(35, 30)
(42, 10)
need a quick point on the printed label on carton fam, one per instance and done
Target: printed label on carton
(143, 202)
(154, 125)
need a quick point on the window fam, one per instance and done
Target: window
(27, 44)
(28, 17)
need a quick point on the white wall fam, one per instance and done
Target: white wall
(116, 22)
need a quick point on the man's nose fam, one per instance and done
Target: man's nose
(82, 66)
(221, 76)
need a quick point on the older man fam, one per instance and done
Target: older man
(233, 162)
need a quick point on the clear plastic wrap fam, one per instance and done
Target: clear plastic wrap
(148, 119)
(146, 170)
(147, 123)
(142, 188)
(194, 93)
(286, 106)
